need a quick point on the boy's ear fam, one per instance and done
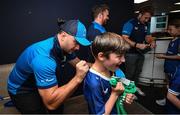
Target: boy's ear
(101, 56)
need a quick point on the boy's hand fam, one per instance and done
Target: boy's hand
(119, 89)
(129, 98)
(81, 70)
(160, 56)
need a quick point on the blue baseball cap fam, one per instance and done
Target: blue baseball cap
(76, 29)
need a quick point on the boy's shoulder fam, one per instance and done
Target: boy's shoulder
(177, 39)
(93, 77)
(91, 81)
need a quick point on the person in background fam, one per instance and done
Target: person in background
(108, 49)
(36, 84)
(136, 32)
(172, 56)
(100, 15)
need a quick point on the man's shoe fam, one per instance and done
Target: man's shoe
(140, 92)
(161, 102)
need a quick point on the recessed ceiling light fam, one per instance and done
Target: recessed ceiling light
(136, 11)
(139, 1)
(177, 3)
(175, 11)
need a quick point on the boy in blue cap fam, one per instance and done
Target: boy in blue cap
(35, 84)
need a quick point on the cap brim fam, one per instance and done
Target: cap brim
(83, 41)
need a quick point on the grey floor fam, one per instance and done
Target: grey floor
(77, 105)
(152, 93)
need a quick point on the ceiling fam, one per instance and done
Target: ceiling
(160, 6)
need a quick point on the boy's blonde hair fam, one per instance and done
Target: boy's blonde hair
(109, 42)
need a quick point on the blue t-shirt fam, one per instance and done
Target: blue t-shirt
(174, 88)
(173, 49)
(97, 91)
(136, 31)
(94, 30)
(35, 68)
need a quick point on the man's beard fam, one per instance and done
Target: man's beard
(105, 22)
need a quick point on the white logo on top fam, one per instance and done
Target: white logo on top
(47, 80)
(105, 91)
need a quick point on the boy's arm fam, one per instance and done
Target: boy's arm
(175, 57)
(173, 99)
(110, 103)
(163, 56)
(113, 97)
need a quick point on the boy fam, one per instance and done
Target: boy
(108, 50)
(172, 57)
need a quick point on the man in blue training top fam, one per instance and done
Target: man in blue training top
(101, 15)
(137, 33)
(36, 84)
